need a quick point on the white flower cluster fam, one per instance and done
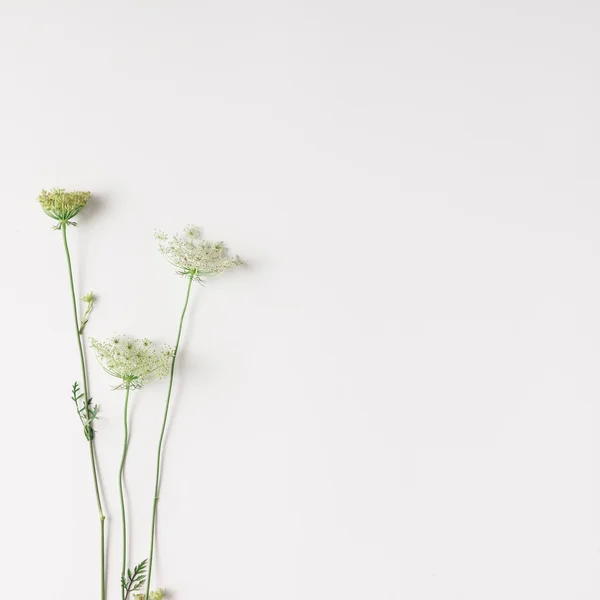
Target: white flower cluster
(61, 205)
(195, 257)
(135, 361)
(159, 594)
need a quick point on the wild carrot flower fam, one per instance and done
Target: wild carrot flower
(159, 594)
(135, 361)
(62, 206)
(194, 257)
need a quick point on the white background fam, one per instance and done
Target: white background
(397, 398)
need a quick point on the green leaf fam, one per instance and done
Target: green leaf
(135, 580)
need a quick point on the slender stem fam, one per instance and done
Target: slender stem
(87, 412)
(123, 518)
(162, 435)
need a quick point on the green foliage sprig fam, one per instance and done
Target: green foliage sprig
(87, 411)
(132, 582)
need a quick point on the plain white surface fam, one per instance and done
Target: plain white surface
(398, 398)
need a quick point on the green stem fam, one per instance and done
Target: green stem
(123, 518)
(87, 411)
(162, 435)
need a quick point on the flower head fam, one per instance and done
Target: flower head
(194, 257)
(135, 361)
(158, 594)
(62, 206)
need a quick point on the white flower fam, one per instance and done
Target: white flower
(61, 205)
(159, 594)
(134, 361)
(194, 257)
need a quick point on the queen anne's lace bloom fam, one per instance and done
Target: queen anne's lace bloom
(134, 361)
(159, 594)
(194, 257)
(62, 206)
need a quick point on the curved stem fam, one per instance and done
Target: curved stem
(123, 518)
(87, 412)
(162, 435)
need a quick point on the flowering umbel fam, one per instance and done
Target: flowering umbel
(135, 361)
(62, 206)
(159, 594)
(194, 257)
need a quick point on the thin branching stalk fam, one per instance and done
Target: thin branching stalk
(86, 401)
(121, 469)
(162, 434)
